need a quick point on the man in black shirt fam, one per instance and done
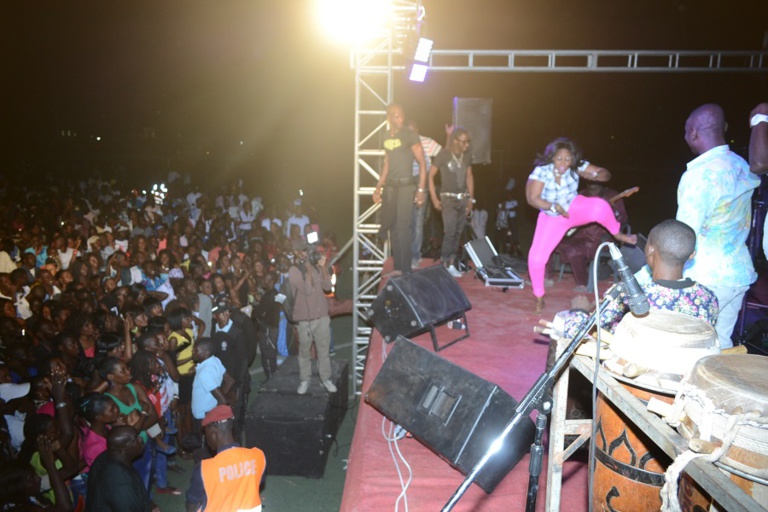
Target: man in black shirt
(401, 147)
(113, 484)
(456, 194)
(267, 316)
(233, 351)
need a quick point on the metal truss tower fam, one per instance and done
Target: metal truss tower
(375, 66)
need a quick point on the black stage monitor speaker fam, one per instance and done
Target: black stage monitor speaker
(452, 411)
(296, 431)
(475, 115)
(412, 303)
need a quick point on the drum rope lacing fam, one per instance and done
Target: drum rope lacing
(747, 427)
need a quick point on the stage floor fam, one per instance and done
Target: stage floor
(502, 349)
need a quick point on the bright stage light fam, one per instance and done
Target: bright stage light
(419, 65)
(354, 22)
(423, 50)
(418, 73)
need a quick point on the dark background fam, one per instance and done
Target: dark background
(254, 89)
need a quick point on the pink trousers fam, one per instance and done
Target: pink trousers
(550, 230)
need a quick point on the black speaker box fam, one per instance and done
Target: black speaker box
(412, 303)
(452, 411)
(475, 114)
(286, 380)
(296, 431)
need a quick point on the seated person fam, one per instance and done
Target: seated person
(670, 244)
(578, 249)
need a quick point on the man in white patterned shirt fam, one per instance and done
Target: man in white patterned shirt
(714, 198)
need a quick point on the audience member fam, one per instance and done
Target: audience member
(113, 484)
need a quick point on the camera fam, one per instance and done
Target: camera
(313, 255)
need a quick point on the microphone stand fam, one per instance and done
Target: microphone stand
(539, 397)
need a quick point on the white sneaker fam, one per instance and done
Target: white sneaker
(329, 386)
(455, 273)
(303, 387)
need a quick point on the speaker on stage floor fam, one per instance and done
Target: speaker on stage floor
(475, 115)
(452, 411)
(296, 431)
(412, 303)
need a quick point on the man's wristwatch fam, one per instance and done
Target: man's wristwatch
(553, 208)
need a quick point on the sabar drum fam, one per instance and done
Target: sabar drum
(725, 401)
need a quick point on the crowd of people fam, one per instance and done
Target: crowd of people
(128, 321)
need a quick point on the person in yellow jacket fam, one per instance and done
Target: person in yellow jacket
(229, 481)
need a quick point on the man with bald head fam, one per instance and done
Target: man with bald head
(113, 484)
(714, 198)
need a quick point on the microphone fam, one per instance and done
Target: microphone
(638, 302)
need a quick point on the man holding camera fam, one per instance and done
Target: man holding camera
(309, 280)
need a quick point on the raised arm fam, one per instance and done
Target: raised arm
(595, 173)
(758, 141)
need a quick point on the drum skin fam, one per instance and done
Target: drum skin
(629, 467)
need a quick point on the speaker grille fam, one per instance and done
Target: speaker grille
(412, 303)
(452, 411)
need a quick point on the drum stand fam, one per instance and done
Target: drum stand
(539, 397)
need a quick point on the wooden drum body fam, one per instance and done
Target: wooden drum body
(651, 355)
(629, 467)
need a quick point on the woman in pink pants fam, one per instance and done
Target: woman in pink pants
(552, 188)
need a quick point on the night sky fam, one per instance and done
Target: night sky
(204, 76)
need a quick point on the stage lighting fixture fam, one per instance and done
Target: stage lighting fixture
(419, 63)
(418, 72)
(423, 50)
(354, 22)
